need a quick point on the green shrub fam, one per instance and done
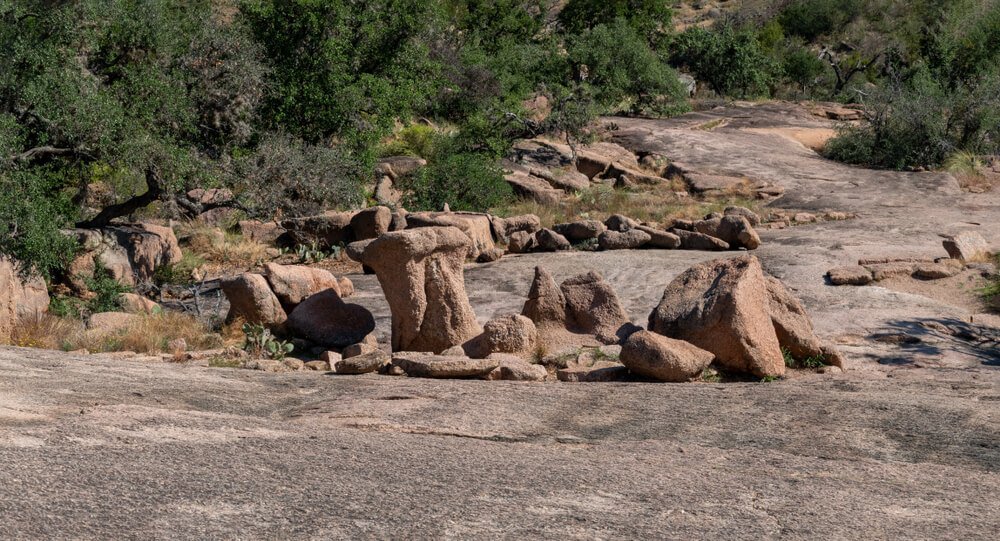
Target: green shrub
(730, 60)
(106, 290)
(650, 18)
(413, 140)
(922, 124)
(802, 67)
(463, 180)
(298, 179)
(810, 19)
(32, 211)
(623, 72)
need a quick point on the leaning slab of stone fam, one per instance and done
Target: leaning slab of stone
(424, 365)
(420, 271)
(731, 309)
(293, 284)
(592, 307)
(793, 327)
(531, 187)
(665, 359)
(967, 247)
(251, 299)
(131, 253)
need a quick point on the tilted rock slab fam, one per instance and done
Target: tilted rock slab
(293, 284)
(420, 271)
(967, 247)
(251, 299)
(592, 307)
(723, 306)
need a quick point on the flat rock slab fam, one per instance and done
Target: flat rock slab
(600, 372)
(107, 449)
(422, 365)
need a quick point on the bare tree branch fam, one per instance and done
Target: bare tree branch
(153, 192)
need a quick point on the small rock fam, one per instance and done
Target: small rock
(628, 240)
(488, 256)
(521, 242)
(294, 364)
(804, 218)
(889, 270)
(177, 345)
(665, 359)
(691, 240)
(549, 241)
(967, 246)
(619, 223)
(137, 304)
(362, 364)
(360, 348)
(318, 366)
(750, 215)
(512, 334)
(330, 357)
(853, 275)
(423, 365)
(600, 372)
(936, 271)
(580, 230)
(513, 368)
(267, 365)
(660, 239)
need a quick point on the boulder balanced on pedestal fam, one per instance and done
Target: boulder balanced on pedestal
(420, 271)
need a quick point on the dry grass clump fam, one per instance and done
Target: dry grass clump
(658, 204)
(46, 331)
(153, 333)
(218, 246)
(976, 174)
(150, 334)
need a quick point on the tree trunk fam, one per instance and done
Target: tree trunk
(153, 192)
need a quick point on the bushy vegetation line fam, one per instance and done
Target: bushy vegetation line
(114, 108)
